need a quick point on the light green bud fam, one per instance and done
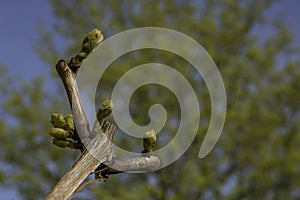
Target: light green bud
(60, 143)
(63, 143)
(149, 141)
(90, 41)
(57, 120)
(59, 133)
(105, 109)
(69, 122)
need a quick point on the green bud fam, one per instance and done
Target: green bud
(59, 133)
(90, 41)
(57, 120)
(60, 143)
(105, 109)
(66, 122)
(149, 141)
(81, 56)
(63, 143)
(69, 122)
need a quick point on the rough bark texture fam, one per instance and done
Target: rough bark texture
(86, 164)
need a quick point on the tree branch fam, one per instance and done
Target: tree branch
(86, 164)
(101, 145)
(68, 78)
(134, 164)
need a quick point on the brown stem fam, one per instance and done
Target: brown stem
(68, 78)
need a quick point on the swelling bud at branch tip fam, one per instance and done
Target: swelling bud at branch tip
(90, 41)
(105, 109)
(149, 141)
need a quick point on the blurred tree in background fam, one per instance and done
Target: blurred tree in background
(257, 154)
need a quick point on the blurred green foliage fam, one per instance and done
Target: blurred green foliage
(257, 154)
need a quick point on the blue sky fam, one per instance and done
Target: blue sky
(18, 22)
(19, 32)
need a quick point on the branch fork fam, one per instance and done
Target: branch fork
(97, 152)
